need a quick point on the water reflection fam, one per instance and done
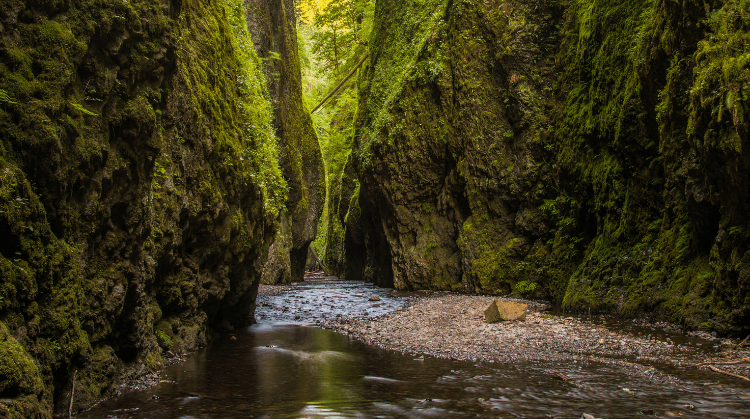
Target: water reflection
(283, 369)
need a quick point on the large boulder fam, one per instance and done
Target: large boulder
(504, 311)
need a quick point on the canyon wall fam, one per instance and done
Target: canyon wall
(273, 26)
(139, 190)
(593, 153)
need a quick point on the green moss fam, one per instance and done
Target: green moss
(593, 176)
(524, 289)
(19, 375)
(127, 131)
(164, 333)
(153, 361)
(400, 32)
(19, 371)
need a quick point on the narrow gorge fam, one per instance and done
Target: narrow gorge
(159, 161)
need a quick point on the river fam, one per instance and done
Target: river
(285, 367)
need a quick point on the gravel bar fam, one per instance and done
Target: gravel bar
(453, 326)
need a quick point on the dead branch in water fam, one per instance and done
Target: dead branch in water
(728, 373)
(741, 361)
(72, 392)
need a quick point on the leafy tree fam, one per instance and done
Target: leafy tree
(344, 26)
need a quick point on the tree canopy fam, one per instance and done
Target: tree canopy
(344, 26)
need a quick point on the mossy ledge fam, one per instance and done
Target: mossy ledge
(139, 189)
(591, 152)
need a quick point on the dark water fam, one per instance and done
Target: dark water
(281, 368)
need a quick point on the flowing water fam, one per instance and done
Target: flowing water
(283, 367)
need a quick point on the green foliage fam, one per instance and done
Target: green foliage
(623, 191)
(259, 144)
(399, 33)
(81, 109)
(720, 96)
(344, 26)
(706, 326)
(430, 247)
(524, 288)
(93, 158)
(561, 210)
(334, 123)
(5, 97)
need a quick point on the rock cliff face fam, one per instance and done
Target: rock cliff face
(274, 29)
(590, 152)
(139, 186)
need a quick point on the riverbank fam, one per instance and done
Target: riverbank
(281, 366)
(138, 377)
(453, 326)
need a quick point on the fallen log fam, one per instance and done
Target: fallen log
(743, 343)
(317, 259)
(336, 89)
(72, 392)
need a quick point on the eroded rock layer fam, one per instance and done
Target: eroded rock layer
(590, 152)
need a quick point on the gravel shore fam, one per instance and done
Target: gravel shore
(453, 326)
(274, 289)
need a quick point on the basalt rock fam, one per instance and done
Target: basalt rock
(136, 209)
(594, 154)
(274, 30)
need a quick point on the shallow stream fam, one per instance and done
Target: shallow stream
(283, 367)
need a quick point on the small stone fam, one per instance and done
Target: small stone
(561, 376)
(505, 311)
(375, 298)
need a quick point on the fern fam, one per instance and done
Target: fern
(83, 110)
(5, 97)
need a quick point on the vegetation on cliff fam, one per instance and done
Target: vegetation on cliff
(334, 38)
(139, 185)
(273, 27)
(593, 152)
(588, 152)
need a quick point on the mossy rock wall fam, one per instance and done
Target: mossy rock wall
(341, 190)
(274, 29)
(137, 197)
(451, 150)
(594, 153)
